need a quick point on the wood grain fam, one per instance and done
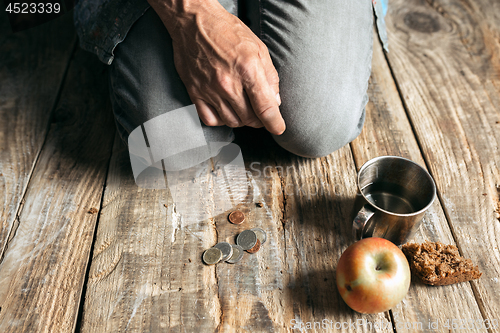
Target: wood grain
(318, 197)
(387, 131)
(306, 210)
(26, 59)
(43, 270)
(444, 55)
(146, 272)
(251, 292)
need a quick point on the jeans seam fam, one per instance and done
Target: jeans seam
(261, 10)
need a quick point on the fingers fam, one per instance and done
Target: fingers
(243, 108)
(264, 101)
(271, 73)
(207, 113)
(227, 114)
(247, 96)
(253, 120)
(221, 114)
(256, 74)
(253, 104)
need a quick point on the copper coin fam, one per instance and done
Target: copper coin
(236, 217)
(255, 248)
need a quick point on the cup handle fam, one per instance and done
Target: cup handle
(360, 221)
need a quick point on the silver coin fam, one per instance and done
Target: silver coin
(237, 254)
(246, 239)
(261, 235)
(226, 248)
(212, 256)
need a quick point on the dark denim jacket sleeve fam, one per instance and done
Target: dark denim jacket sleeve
(102, 24)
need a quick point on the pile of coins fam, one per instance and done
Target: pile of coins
(248, 240)
(223, 251)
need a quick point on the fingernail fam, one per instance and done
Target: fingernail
(278, 99)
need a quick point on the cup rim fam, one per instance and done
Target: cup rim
(428, 175)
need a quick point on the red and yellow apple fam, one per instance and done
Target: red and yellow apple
(373, 275)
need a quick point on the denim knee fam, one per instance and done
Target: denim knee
(328, 132)
(322, 51)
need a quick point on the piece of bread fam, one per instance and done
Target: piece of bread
(438, 264)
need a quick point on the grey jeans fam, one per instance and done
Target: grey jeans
(321, 49)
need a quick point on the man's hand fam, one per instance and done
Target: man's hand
(226, 69)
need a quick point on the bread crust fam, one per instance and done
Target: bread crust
(438, 264)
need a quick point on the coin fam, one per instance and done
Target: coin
(246, 239)
(226, 248)
(236, 217)
(261, 235)
(255, 248)
(212, 256)
(237, 254)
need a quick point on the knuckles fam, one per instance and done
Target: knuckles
(249, 120)
(233, 124)
(226, 83)
(273, 77)
(264, 110)
(251, 62)
(247, 68)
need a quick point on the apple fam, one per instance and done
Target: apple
(373, 275)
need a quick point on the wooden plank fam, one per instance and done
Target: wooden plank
(318, 204)
(122, 292)
(252, 292)
(387, 131)
(26, 59)
(443, 57)
(43, 270)
(290, 282)
(146, 272)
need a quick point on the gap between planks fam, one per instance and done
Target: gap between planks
(81, 303)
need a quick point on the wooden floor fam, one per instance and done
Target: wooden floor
(82, 248)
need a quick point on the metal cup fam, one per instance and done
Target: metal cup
(393, 195)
